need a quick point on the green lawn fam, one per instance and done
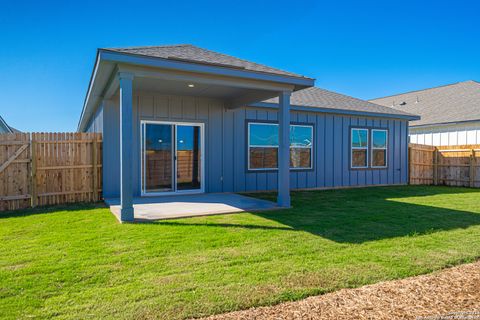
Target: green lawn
(78, 262)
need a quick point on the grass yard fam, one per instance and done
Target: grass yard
(78, 262)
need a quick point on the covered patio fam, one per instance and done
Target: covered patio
(183, 81)
(183, 206)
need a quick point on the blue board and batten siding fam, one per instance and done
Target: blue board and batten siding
(225, 145)
(96, 123)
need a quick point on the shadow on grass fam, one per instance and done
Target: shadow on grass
(366, 214)
(50, 209)
(344, 216)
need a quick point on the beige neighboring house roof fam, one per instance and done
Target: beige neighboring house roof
(458, 102)
(191, 53)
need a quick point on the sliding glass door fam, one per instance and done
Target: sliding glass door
(172, 157)
(159, 156)
(188, 158)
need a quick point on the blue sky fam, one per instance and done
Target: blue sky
(365, 48)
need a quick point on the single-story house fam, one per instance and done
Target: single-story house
(181, 119)
(450, 115)
(5, 128)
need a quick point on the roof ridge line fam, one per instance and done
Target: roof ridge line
(426, 89)
(358, 99)
(152, 46)
(247, 61)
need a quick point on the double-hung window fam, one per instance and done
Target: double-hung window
(369, 154)
(379, 148)
(301, 146)
(263, 146)
(359, 148)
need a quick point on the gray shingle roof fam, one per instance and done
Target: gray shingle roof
(190, 53)
(5, 128)
(321, 98)
(310, 97)
(451, 103)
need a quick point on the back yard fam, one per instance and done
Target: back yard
(78, 262)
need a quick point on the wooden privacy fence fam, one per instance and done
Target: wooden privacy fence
(49, 168)
(450, 165)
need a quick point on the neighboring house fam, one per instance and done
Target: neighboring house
(180, 119)
(450, 115)
(5, 128)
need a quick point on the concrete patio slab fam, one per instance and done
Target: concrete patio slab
(182, 206)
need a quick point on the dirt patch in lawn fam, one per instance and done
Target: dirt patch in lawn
(455, 290)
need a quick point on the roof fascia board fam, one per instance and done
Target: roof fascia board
(338, 111)
(199, 68)
(444, 123)
(89, 90)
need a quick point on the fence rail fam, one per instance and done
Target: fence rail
(49, 168)
(453, 166)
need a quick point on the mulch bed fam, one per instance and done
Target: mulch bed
(454, 290)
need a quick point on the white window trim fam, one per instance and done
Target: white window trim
(143, 191)
(260, 146)
(304, 147)
(386, 148)
(358, 148)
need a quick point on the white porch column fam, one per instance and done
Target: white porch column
(283, 198)
(126, 143)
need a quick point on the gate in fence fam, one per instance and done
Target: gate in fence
(49, 168)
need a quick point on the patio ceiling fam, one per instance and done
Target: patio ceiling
(236, 92)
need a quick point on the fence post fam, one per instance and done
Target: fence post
(409, 165)
(435, 166)
(33, 176)
(472, 169)
(94, 168)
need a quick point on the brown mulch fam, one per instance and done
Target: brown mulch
(455, 289)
